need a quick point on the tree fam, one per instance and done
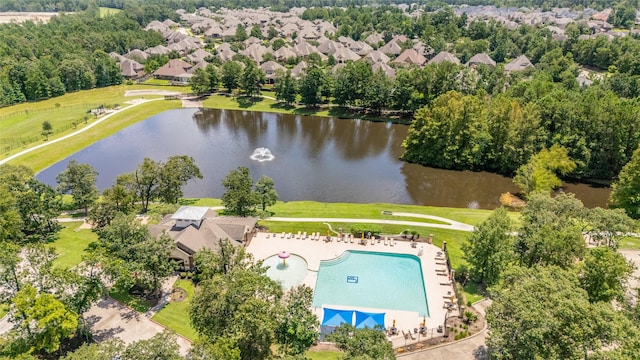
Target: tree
(43, 320)
(252, 80)
(285, 87)
(132, 255)
(80, 181)
(231, 75)
(241, 33)
(256, 32)
(542, 313)
(362, 344)
(311, 85)
(239, 198)
(377, 95)
(539, 174)
(265, 189)
(38, 204)
(174, 175)
(105, 350)
(10, 221)
(236, 305)
(147, 176)
(199, 82)
(489, 250)
(162, 346)
(297, 325)
(551, 231)
(626, 191)
(604, 274)
(609, 225)
(47, 129)
(116, 199)
(213, 76)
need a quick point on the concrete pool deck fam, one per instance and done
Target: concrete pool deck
(437, 286)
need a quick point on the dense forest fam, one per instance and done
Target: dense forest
(190, 5)
(67, 54)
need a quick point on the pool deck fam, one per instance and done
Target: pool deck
(434, 270)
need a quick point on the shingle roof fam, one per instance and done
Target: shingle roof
(481, 58)
(444, 56)
(519, 64)
(410, 56)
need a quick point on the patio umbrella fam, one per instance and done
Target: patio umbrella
(369, 320)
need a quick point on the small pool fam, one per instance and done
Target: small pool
(289, 274)
(373, 280)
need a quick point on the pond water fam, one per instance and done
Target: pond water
(309, 158)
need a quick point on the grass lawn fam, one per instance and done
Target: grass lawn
(175, 315)
(46, 156)
(218, 101)
(154, 81)
(21, 124)
(374, 211)
(630, 243)
(106, 11)
(324, 355)
(134, 302)
(71, 244)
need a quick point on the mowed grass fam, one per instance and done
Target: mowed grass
(375, 211)
(21, 124)
(71, 244)
(48, 155)
(175, 315)
(629, 243)
(324, 355)
(106, 11)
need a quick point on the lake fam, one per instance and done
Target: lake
(314, 158)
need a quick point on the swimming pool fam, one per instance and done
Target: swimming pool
(289, 274)
(373, 280)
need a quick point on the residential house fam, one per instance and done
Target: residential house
(410, 57)
(298, 71)
(136, 54)
(444, 56)
(176, 71)
(374, 39)
(391, 48)
(270, 68)
(131, 69)
(521, 63)
(284, 53)
(384, 67)
(194, 228)
(377, 56)
(481, 58)
(344, 54)
(199, 55)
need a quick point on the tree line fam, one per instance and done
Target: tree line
(78, 5)
(553, 297)
(69, 53)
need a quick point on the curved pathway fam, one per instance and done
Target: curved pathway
(138, 102)
(452, 225)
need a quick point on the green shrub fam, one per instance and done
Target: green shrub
(359, 229)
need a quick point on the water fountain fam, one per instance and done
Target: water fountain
(262, 154)
(286, 268)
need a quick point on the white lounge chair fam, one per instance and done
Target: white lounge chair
(299, 235)
(351, 239)
(391, 242)
(282, 235)
(385, 241)
(304, 235)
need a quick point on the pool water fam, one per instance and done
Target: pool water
(373, 280)
(289, 273)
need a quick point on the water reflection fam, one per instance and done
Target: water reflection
(323, 159)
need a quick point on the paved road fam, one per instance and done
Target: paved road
(73, 133)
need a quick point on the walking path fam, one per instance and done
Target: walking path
(452, 225)
(80, 131)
